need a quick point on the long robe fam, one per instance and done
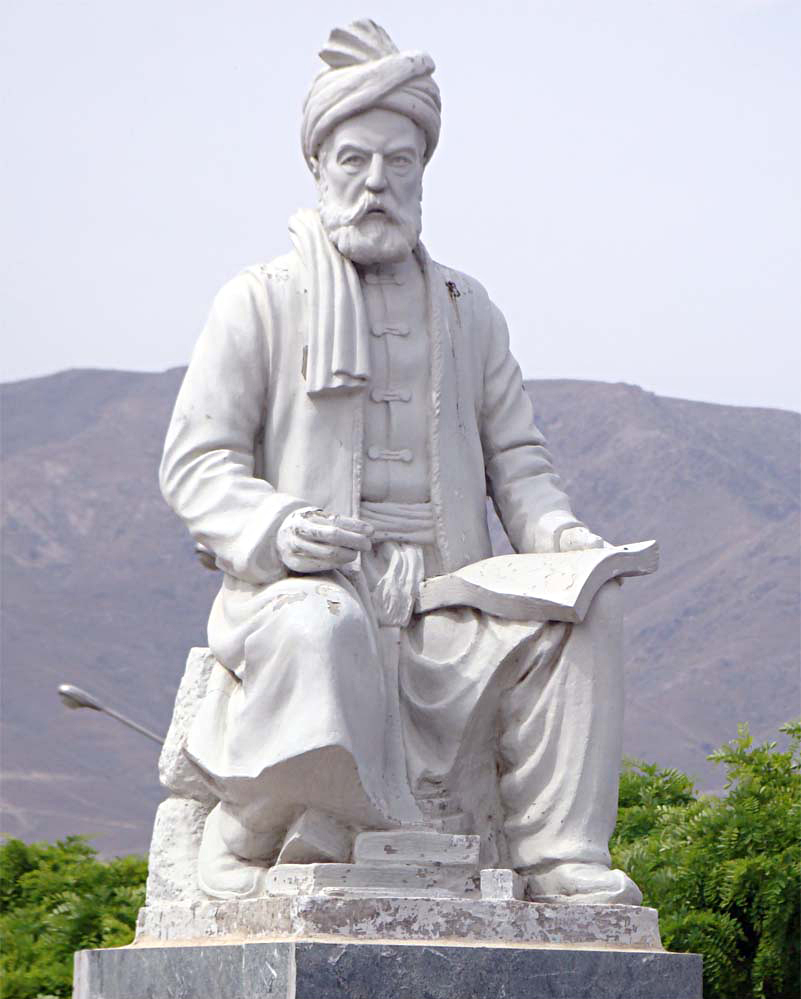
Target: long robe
(303, 682)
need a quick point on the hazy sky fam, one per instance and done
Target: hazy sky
(623, 177)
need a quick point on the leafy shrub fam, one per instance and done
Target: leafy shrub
(725, 873)
(56, 899)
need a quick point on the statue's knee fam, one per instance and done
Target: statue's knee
(328, 616)
(602, 627)
(607, 605)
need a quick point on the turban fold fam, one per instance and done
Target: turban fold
(366, 71)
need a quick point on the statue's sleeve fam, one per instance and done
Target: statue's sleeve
(521, 480)
(207, 470)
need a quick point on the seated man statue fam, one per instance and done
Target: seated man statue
(347, 410)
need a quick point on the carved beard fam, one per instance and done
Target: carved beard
(369, 238)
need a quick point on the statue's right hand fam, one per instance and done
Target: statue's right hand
(311, 540)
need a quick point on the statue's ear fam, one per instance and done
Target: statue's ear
(314, 163)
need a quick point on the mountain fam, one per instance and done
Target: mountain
(101, 587)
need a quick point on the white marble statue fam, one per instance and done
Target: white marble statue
(347, 410)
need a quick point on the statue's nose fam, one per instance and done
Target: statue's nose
(376, 177)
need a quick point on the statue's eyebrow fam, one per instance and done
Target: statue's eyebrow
(394, 151)
(350, 147)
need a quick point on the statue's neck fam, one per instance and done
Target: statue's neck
(399, 273)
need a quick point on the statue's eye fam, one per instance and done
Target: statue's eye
(401, 162)
(353, 160)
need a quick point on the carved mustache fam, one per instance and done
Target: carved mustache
(367, 204)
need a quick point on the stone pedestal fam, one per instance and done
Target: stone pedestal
(324, 947)
(404, 920)
(355, 970)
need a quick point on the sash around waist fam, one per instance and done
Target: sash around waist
(409, 522)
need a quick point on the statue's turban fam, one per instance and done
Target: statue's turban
(366, 71)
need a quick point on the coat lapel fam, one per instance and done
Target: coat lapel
(443, 389)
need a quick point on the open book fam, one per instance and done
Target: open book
(548, 587)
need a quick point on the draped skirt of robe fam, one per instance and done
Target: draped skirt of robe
(295, 711)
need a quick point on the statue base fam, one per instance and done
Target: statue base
(404, 920)
(324, 947)
(350, 969)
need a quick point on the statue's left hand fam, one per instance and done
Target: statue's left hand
(576, 539)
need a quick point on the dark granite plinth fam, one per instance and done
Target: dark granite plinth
(344, 970)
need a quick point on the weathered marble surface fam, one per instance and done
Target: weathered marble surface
(417, 846)
(464, 920)
(176, 771)
(360, 880)
(172, 860)
(501, 883)
(348, 970)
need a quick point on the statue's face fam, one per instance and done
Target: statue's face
(370, 180)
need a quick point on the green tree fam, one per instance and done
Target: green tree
(56, 899)
(725, 873)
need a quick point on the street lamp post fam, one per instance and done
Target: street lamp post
(73, 697)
